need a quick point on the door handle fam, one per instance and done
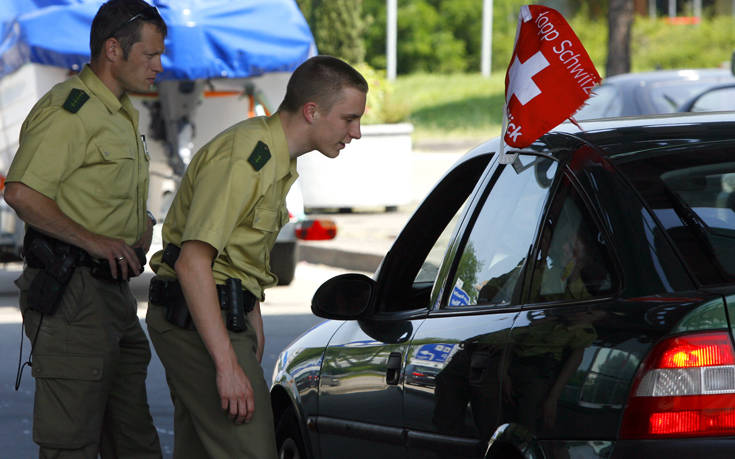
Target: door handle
(393, 372)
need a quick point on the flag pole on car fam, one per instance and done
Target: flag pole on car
(549, 78)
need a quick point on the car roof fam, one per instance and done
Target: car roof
(617, 136)
(668, 75)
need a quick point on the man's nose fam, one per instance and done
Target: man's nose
(355, 131)
(157, 66)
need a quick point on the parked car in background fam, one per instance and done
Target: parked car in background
(649, 93)
(576, 302)
(714, 99)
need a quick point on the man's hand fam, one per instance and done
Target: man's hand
(236, 393)
(117, 253)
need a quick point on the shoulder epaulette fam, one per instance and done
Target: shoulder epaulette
(75, 100)
(260, 155)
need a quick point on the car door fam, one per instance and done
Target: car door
(360, 412)
(455, 359)
(602, 286)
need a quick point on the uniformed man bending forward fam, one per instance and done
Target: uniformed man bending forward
(205, 320)
(80, 182)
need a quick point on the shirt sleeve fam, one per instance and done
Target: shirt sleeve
(51, 146)
(224, 191)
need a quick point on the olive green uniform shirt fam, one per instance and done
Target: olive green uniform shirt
(91, 162)
(233, 198)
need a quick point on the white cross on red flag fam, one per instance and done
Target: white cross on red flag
(549, 77)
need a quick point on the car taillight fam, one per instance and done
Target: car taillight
(685, 388)
(2, 183)
(315, 230)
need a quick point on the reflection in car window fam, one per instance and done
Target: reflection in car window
(572, 263)
(495, 253)
(430, 267)
(606, 101)
(692, 193)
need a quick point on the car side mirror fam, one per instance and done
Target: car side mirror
(315, 230)
(344, 297)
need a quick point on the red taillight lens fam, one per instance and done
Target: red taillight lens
(697, 351)
(316, 230)
(685, 388)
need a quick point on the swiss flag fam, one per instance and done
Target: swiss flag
(549, 77)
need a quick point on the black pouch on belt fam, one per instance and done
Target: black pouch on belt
(168, 294)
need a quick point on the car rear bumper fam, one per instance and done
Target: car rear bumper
(709, 447)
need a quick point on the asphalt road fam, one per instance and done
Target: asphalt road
(286, 315)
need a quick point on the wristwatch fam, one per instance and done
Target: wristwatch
(153, 219)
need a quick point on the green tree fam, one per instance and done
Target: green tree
(337, 26)
(467, 271)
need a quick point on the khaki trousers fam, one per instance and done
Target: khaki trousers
(201, 428)
(90, 362)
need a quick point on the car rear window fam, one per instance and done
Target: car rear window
(691, 190)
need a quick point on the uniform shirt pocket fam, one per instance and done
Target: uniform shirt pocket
(112, 172)
(265, 219)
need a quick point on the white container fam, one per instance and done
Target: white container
(373, 171)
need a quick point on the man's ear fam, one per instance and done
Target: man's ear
(111, 49)
(311, 112)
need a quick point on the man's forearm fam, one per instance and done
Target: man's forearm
(194, 271)
(44, 214)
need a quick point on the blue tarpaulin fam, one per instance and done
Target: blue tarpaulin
(206, 38)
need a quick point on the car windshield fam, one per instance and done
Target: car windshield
(668, 96)
(692, 193)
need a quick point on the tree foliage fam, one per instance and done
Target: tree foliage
(338, 27)
(439, 35)
(444, 36)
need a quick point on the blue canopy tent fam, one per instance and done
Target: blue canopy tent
(206, 38)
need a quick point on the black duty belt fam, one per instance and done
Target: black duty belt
(99, 268)
(167, 291)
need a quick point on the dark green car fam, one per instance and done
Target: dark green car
(575, 302)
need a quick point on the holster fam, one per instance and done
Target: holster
(56, 261)
(232, 298)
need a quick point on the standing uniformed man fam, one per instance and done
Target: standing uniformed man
(80, 182)
(204, 318)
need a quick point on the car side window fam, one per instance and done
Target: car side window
(495, 253)
(430, 267)
(572, 262)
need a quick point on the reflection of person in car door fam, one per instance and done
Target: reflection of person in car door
(544, 355)
(470, 377)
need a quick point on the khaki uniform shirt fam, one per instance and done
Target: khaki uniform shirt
(92, 163)
(235, 202)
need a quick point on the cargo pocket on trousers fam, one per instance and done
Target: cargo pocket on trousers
(70, 400)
